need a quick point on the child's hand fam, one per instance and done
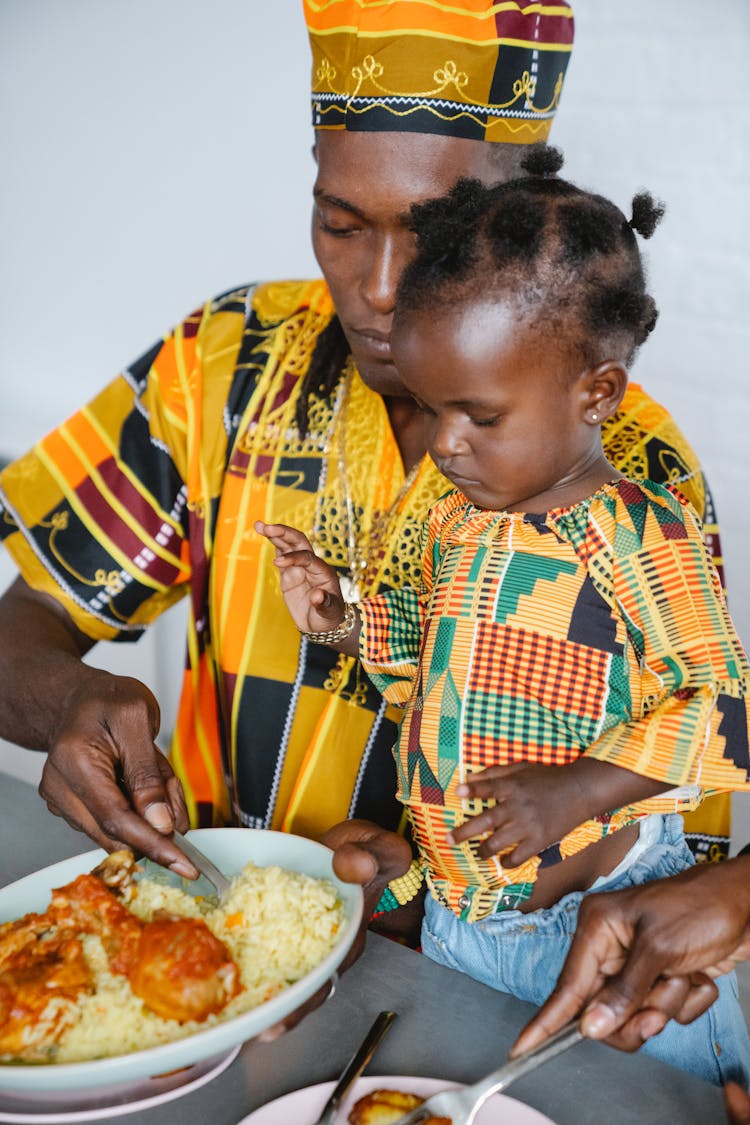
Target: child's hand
(536, 806)
(311, 588)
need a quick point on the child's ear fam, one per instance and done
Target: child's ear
(603, 387)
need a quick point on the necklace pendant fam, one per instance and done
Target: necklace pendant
(349, 588)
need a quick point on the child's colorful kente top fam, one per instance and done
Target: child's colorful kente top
(598, 629)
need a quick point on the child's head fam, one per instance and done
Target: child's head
(514, 327)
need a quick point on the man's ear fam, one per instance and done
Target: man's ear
(603, 389)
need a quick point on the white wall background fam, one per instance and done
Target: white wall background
(157, 151)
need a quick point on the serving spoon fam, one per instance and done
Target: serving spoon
(209, 870)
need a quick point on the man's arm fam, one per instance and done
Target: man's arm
(649, 953)
(103, 774)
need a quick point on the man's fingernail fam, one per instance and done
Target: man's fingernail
(598, 1021)
(450, 838)
(183, 868)
(159, 817)
(652, 1023)
(462, 790)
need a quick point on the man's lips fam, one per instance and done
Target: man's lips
(377, 344)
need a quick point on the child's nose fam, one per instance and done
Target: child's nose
(447, 440)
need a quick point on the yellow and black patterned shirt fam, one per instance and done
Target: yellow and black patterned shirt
(149, 494)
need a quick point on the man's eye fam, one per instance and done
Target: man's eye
(337, 222)
(493, 421)
(337, 231)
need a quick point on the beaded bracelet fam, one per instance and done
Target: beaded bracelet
(402, 890)
(340, 633)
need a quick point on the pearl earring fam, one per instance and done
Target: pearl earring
(594, 417)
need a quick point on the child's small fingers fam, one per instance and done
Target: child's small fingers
(301, 558)
(329, 606)
(486, 821)
(485, 783)
(283, 533)
(321, 599)
(513, 852)
(270, 530)
(479, 788)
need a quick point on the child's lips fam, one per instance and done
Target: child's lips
(458, 480)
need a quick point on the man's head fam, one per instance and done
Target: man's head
(409, 97)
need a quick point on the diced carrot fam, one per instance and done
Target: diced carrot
(234, 920)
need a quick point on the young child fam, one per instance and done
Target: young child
(569, 674)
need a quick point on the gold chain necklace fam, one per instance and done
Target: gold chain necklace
(363, 545)
(367, 555)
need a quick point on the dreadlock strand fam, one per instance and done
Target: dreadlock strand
(326, 364)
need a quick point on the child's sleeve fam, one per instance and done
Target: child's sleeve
(689, 675)
(392, 629)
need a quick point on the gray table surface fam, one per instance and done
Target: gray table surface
(448, 1026)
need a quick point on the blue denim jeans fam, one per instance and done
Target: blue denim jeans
(524, 953)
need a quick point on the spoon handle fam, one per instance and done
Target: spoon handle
(203, 863)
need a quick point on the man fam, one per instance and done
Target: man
(644, 955)
(277, 402)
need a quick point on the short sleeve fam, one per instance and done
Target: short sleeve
(107, 512)
(689, 678)
(393, 626)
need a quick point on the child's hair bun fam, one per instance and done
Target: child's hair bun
(647, 213)
(542, 160)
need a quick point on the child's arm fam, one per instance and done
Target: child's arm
(538, 805)
(694, 733)
(311, 587)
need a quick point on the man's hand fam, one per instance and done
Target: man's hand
(648, 954)
(371, 856)
(105, 775)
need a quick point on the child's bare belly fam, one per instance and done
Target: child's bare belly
(579, 871)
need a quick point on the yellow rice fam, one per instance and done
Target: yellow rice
(276, 924)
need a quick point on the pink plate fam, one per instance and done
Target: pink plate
(303, 1106)
(110, 1101)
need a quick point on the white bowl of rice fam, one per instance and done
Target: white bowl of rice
(288, 922)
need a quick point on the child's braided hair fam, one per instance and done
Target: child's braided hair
(556, 249)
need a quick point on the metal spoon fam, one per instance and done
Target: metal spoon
(209, 870)
(356, 1065)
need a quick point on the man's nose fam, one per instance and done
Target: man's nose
(389, 255)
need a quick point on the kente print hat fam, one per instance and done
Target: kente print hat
(467, 68)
